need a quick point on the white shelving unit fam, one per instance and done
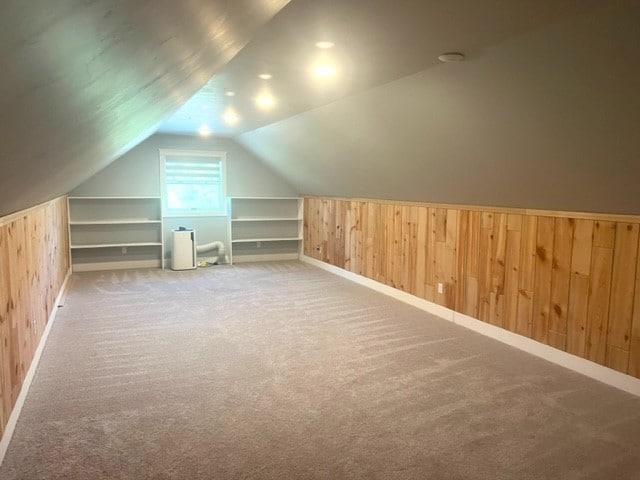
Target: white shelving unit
(109, 233)
(264, 228)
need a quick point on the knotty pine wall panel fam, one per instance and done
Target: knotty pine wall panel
(568, 280)
(34, 261)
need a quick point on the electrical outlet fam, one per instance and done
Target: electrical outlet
(440, 288)
(124, 250)
(258, 245)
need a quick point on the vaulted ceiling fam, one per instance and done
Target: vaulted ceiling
(543, 112)
(83, 81)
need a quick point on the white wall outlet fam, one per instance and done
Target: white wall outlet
(124, 250)
(440, 288)
(258, 244)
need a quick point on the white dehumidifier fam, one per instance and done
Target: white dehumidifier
(183, 254)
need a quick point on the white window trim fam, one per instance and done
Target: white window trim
(164, 152)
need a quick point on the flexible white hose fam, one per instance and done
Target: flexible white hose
(217, 245)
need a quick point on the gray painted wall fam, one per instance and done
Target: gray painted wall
(547, 120)
(137, 173)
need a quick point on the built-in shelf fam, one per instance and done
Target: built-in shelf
(281, 239)
(114, 222)
(114, 198)
(100, 226)
(264, 228)
(111, 245)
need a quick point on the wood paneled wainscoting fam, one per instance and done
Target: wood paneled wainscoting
(568, 280)
(34, 263)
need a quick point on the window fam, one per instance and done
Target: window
(193, 183)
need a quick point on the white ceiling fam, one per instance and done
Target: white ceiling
(376, 42)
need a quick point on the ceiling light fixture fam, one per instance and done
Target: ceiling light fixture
(265, 101)
(204, 131)
(451, 57)
(265, 76)
(230, 93)
(324, 44)
(230, 116)
(324, 70)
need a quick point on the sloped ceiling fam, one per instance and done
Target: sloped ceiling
(543, 113)
(84, 81)
(546, 119)
(375, 42)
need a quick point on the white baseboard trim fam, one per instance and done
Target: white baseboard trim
(590, 369)
(17, 408)
(123, 265)
(269, 257)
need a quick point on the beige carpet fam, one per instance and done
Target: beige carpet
(286, 371)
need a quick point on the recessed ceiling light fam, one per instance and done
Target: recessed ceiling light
(230, 116)
(204, 131)
(325, 44)
(451, 57)
(265, 101)
(265, 76)
(230, 93)
(324, 70)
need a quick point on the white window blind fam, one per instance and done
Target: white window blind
(193, 183)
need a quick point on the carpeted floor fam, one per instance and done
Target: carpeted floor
(285, 371)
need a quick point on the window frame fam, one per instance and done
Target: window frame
(167, 212)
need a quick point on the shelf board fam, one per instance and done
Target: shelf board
(266, 219)
(114, 198)
(111, 245)
(280, 239)
(113, 222)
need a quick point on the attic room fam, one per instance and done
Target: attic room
(320, 239)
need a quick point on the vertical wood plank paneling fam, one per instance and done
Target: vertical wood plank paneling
(421, 252)
(578, 309)
(622, 295)
(361, 217)
(471, 265)
(430, 269)
(376, 230)
(369, 229)
(496, 298)
(542, 284)
(404, 262)
(349, 236)
(485, 263)
(448, 258)
(600, 290)
(341, 251)
(524, 320)
(410, 274)
(634, 344)
(33, 264)
(325, 230)
(461, 258)
(396, 245)
(560, 280)
(512, 268)
(569, 282)
(441, 259)
(5, 330)
(306, 215)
